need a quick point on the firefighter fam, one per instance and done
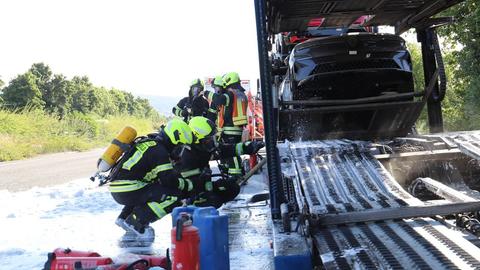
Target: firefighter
(194, 163)
(193, 105)
(229, 108)
(146, 184)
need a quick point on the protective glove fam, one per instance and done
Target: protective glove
(203, 182)
(252, 147)
(212, 116)
(226, 189)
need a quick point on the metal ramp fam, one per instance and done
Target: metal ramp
(468, 142)
(340, 176)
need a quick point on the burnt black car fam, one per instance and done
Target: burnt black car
(366, 73)
(349, 66)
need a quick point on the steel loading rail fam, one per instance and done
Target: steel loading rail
(421, 243)
(275, 16)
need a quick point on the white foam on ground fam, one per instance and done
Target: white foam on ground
(80, 216)
(77, 215)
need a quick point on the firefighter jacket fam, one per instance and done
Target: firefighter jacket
(229, 110)
(147, 162)
(189, 107)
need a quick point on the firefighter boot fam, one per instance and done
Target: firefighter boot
(138, 231)
(120, 222)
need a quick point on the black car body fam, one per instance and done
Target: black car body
(354, 69)
(350, 66)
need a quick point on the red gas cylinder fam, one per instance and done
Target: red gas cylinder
(185, 244)
(67, 259)
(66, 252)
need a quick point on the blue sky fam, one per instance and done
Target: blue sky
(145, 47)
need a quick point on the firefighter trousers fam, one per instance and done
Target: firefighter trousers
(232, 166)
(149, 203)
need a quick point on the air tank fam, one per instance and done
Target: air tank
(119, 145)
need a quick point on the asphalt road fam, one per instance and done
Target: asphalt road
(47, 170)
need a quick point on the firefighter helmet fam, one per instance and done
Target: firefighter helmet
(196, 86)
(197, 82)
(178, 132)
(202, 128)
(231, 78)
(218, 81)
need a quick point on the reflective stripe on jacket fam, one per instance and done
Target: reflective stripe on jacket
(240, 104)
(232, 131)
(125, 185)
(135, 158)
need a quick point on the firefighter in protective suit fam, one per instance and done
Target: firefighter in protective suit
(229, 108)
(194, 163)
(145, 182)
(193, 105)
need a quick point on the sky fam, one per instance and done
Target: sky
(147, 47)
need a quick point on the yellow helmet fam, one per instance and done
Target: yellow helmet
(231, 78)
(218, 81)
(202, 128)
(196, 86)
(197, 82)
(178, 132)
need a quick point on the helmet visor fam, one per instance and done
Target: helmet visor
(196, 90)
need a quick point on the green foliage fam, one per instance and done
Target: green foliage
(417, 65)
(81, 99)
(461, 53)
(43, 75)
(453, 105)
(40, 88)
(23, 91)
(462, 39)
(58, 99)
(26, 133)
(83, 125)
(42, 112)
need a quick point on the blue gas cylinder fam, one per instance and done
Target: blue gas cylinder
(213, 229)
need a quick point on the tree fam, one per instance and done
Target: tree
(81, 88)
(120, 100)
(40, 88)
(417, 65)
(60, 96)
(464, 37)
(102, 102)
(43, 73)
(23, 91)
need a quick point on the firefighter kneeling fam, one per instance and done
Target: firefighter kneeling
(193, 163)
(144, 181)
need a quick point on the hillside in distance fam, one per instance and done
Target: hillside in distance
(163, 104)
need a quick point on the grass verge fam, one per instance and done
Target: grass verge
(28, 133)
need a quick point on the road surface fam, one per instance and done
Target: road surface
(47, 170)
